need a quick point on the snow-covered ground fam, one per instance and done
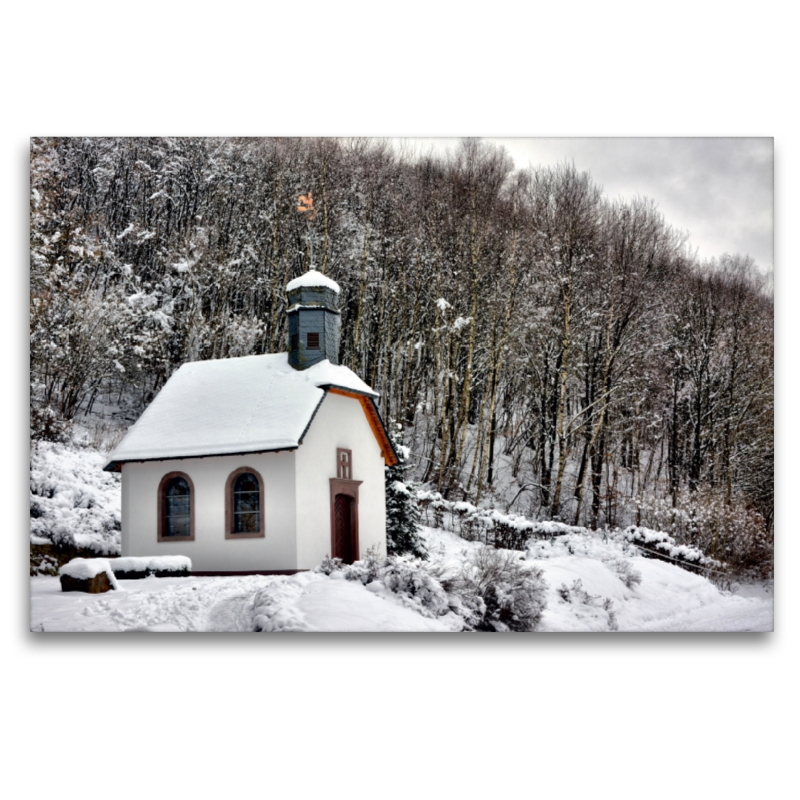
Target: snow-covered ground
(302, 602)
(587, 591)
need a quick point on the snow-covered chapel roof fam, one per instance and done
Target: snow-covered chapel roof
(233, 405)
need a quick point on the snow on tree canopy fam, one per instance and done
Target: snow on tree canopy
(232, 405)
(312, 278)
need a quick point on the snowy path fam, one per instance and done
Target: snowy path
(740, 615)
(174, 604)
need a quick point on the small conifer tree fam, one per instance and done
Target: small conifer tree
(402, 511)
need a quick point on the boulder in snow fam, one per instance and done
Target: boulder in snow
(92, 575)
(100, 583)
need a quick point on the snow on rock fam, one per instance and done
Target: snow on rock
(233, 405)
(72, 501)
(84, 569)
(312, 278)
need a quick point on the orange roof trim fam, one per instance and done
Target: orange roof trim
(387, 451)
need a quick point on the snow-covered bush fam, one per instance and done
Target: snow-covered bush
(432, 505)
(728, 532)
(402, 511)
(462, 511)
(591, 605)
(366, 570)
(605, 546)
(408, 578)
(329, 565)
(45, 422)
(475, 528)
(404, 577)
(42, 562)
(509, 536)
(627, 573)
(658, 544)
(487, 525)
(492, 590)
(73, 503)
(134, 567)
(499, 591)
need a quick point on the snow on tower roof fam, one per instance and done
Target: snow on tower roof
(233, 405)
(312, 278)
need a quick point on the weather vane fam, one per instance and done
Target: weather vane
(305, 206)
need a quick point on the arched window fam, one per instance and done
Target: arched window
(244, 504)
(175, 508)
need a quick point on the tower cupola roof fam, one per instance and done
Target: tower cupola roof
(312, 278)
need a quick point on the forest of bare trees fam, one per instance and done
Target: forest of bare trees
(545, 347)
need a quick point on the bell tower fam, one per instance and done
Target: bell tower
(314, 320)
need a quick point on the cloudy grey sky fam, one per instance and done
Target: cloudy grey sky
(718, 190)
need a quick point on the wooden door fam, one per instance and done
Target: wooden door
(343, 529)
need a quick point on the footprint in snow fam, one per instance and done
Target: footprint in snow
(234, 613)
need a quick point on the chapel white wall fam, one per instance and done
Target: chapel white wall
(339, 422)
(210, 550)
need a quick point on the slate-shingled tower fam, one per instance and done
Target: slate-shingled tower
(314, 320)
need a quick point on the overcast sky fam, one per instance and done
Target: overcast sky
(718, 190)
